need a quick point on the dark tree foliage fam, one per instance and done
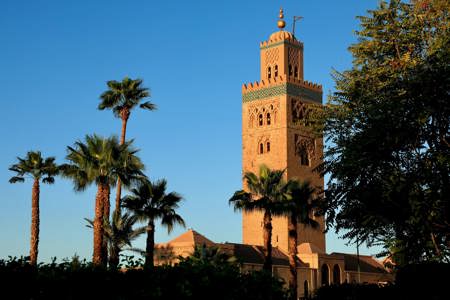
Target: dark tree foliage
(415, 281)
(186, 280)
(388, 130)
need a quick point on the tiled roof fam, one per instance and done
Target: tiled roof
(252, 254)
(366, 263)
(191, 237)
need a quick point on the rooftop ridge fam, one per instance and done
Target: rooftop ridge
(258, 85)
(281, 38)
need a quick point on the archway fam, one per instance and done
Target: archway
(306, 289)
(325, 270)
(336, 274)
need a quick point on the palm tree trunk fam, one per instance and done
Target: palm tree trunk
(114, 258)
(106, 214)
(34, 242)
(150, 246)
(292, 248)
(125, 114)
(97, 257)
(267, 242)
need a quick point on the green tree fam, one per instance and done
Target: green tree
(119, 233)
(300, 205)
(149, 202)
(101, 161)
(38, 169)
(388, 131)
(265, 193)
(213, 256)
(122, 97)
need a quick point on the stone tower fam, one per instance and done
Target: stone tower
(273, 134)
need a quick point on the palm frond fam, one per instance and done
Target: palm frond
(148, 105)
(16, 179)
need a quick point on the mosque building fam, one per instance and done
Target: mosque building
(273, 134)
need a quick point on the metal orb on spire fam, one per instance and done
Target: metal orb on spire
(281, 23)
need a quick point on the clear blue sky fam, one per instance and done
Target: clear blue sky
(55, 57)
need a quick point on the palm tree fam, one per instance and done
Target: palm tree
(38, 168)
(119, 233)
(265, 195)
(149, 202)
(122, 97)
(214, 256)
(299, 207)
(101, 161)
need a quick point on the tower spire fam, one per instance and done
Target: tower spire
(281, 23)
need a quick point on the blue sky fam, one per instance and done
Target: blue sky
(55, 57)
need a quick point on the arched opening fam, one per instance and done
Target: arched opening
(305, 289)
(276, 71)
(261, 148)
(269, 72)
(290, 70)
(325, 274)
(296, 72)
(304, 158)
(260, 120)
(268, 147)
(336, 274)
(268, 119)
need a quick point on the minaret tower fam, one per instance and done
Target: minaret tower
(273, 132)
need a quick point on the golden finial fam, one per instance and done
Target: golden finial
(281, 24)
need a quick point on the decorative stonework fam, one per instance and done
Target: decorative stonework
(305, 145)
(271, 56)
(268, 45)
(282, 89)
(300, 112)
(268, 111)
(263, 145)
(293, 56)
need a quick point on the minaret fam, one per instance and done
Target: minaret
(273, 134)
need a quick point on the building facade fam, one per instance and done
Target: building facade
(275, 133)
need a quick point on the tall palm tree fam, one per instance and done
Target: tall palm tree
(265, 194)
(37, 168)
(149, 202)
(101, 161)
(119, 233)
(122, 97)
(299, 203)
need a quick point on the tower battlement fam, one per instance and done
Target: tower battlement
(257, 85)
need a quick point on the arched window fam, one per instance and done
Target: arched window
(305, 289)
(290, 70)
(336, 274)
(269, 72)
(261, 148)
(268, 119)
(260, 120)
(276, 71)
(268, 147)
(325, 274)
(304, 158)
(296, 72)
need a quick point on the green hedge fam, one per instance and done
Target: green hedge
(19, 280)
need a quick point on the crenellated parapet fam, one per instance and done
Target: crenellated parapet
(253, 86)
(279, 86)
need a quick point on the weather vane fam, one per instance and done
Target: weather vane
(296, 18)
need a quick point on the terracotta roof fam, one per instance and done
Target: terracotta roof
(191, 237)
(252, 254)
(366, 263)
